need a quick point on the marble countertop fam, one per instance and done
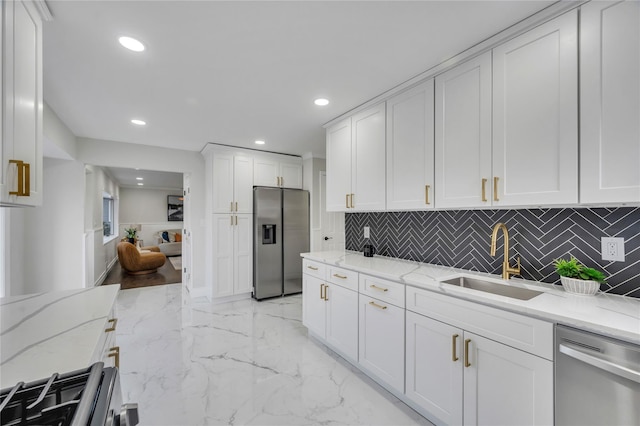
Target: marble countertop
(56, 332)
(610, 315)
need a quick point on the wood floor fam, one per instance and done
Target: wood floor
(167, 274)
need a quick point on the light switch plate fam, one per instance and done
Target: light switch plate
(366, 232)
(613, 249)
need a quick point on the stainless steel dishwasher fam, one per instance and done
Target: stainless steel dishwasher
(597, 380)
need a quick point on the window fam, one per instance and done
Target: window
(108, 209)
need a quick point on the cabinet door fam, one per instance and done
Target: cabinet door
(291, 175)
(610, 102)
(434, 367)
(22, 103)
(243, 253)
(342, 320)
(339, 166)
(243, 184)
(506, 386)
(265, 172)
(535, 113)
(463, 135)
(381, 340)
(223, 280)
(313, 305)
(222, 185)
(368, 163)
(410, 159)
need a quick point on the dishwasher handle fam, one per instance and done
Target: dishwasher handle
(611, 367)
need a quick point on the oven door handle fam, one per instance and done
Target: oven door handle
(600, 363)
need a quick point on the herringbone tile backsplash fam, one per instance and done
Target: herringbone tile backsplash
(462, 239)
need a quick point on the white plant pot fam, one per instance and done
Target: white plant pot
(577, 286)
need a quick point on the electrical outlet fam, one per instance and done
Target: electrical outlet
(366, 232)
(613, 249)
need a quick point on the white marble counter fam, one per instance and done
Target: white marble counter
(610, 315)
(57, 332)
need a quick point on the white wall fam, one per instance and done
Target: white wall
(118, 154)
(53, 233)
(311, 182)
(148, 208)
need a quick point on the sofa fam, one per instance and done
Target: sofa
(139, 261)
(170, 242)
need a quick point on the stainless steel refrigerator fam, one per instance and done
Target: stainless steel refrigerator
(280, 234)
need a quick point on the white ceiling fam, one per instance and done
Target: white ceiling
(151, 179)
(232, 72)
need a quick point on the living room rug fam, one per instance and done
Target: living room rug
(176, 261)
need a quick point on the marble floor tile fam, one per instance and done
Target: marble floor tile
(189, 362)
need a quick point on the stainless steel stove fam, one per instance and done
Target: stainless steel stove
(91, 396)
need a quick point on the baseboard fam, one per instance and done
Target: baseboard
(100, 279)
(234, 298)
(200, 292)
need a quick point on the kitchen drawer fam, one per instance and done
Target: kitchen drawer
(315, 269)
(342, 277)
(387, 291)
(521, 332)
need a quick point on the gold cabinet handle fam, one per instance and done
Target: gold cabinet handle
(313, 268)
(426, 194)
(236, 220)
(466, 353)
(375, 287)
(281, 181)
(346, 200)
(231, 206)
(374, 304)
(114, 322)
(352, 196)
(454, 355)
(24, 178)
(340, 276)
(236, 206)
(231, 217)
(326, 287)
(114, 352)
(484, 191)
(495, 188)
(321, 288)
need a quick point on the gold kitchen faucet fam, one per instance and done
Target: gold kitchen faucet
(506, 268)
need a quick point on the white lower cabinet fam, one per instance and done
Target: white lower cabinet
(381, 340)
(463, 378)
(232, 254)
(331, 312)
(434, 367)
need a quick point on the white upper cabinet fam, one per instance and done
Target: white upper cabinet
(368, 160)
(356, 162)
(339, 166)
(21, 105)
(232, 187)
(463, 135)
(278, 171)
(410, 152)
(535, 116)
(610, 102)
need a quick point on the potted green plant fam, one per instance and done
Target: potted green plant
(577, 278)
(131, 234)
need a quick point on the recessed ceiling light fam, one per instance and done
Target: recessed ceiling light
(131, 44)
(139, 178)
(321, 102)
(139, 122)
(140, 184)
(259, 142)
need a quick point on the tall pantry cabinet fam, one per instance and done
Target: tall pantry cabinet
(230, 188)
(21, 104)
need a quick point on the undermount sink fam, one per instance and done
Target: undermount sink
(493, 288)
